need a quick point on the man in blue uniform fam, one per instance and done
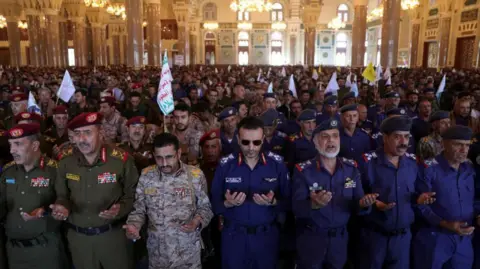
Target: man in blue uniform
(274, 141)
(354, 141)
(391, 172)
(348, 98)
(326, 190)
(378, 137)
(330, 108)
(445, 241)
(301, 147)
(228, 133)
(249, 189)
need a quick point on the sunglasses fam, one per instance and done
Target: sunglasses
(254, 142)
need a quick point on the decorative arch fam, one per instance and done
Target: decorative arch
(209, 35)
(209, 10)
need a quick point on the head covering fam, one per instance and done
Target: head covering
(412, 92)
(392, 94)
(396, 124)
(330, 100)
(269, 95)
(213, 134)
(28, 116)
(348, 95)
(227, 112)
(429, 90)
(351, 107)
(137, 120)
(457, 132)
(269, 117)
(439, 115)
(306, 115)
(18, 97)
(23, 130)
(108, 99)
(328, 124)
(136, 85)
(61, 109)
(398, 111)
(85, 119)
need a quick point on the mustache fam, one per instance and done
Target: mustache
(403, 146)
(83, 144)
(166, 166)
(137, 133)
(15, 156)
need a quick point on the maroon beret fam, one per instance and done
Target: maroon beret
(136, 85)
(213, 134)
(18, 97)
(108, 99)
(61, 109)
(85, 119)
(23, 130)
(137, 120)
(28, 116)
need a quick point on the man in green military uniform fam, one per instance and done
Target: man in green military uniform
(81, 104)
(95, 192)
(18, 104)
(57, 135)
(26, 191)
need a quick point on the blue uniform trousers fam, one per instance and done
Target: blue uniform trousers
(321, 248)
(380, 249)
(250, 247)
(434, 249)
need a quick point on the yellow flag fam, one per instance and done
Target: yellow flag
(438, 69)
(339, 69)
(319, 69)
(369, 73)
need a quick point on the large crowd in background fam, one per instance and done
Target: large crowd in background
(257, 167)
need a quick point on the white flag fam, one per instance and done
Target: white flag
(291, 86)
(389, 82)
(315, 74)
(441, 87)
(229, 68)
(32, 104)
(378, 72)
(259, 74)
(354, 86)
(165, 95)
(270, 88)
(348, 83)
(284, 73)
(269, 70)
(332, 84)
(387, 73)
(66, 90)
(216, 70)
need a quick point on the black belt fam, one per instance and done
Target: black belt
(331, 232)
(253, 229)
(93, 230)
(396, 232)
(27, 243)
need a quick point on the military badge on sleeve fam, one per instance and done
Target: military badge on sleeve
(349, 183)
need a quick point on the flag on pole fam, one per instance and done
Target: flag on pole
(216, 70)
(165, 95)
(378, 73)
(270, 88)
(348, 83)
(32, 104)
(441, 87)
(389, 82)
(319, 69)
(438, 69)
(259, 74)
(269, 70)
(387, 73)
(369, 73)
(229, 68)
(291, 86)
(354, 87)
(66, 90)
(315, 74)
(284, 73)
(332, 85)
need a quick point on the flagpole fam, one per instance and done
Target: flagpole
(165, 129)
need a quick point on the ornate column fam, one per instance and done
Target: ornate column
(154, 29)
(14, 41)
(33, 21)
(309, 45)
(134, 9)
(116, 49)
(445, 22)
(390, 31)
(42, 38)
(414, 44)
(181, 11)
(125, 48)
(310, 18)
(79, 41)
(52, 37)
(359, 32)
(96, 17)
(103, 47)
(63, 42)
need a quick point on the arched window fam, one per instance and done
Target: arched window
(243, 16)
(210, 12)
(277, 12)
(342, 12)
(341, 49)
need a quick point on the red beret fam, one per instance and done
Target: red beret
(85, 119)
(60, 110)
(18, 97)
(22, 130)
(213, 134)
(108, 99)
(137, 120)
(17, 89)
(136, 85)
(28, 116)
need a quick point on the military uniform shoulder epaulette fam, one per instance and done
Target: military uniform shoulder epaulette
(425, 139)
(411, 156)
(363, 131)
(293, 137)
(349, 162)
(369, 156)
(52, 163)
(149, 169)
(276, 157)
(49, 139)
(226, 159)
(194, 171)
(429, 162)
(301, 166)
(65, 153)
(376, 135)
(8, 165)
(119, 153)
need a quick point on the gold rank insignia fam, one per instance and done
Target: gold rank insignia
(150, 191)
(52, 163)
(149, 169)
(73, 177)
(8, 165)
(195, 172)
(119, 154)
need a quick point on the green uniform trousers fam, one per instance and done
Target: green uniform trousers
(110, 250)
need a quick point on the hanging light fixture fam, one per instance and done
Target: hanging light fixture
(251, 5)
(376, 13)
(244, 26)
(117, 10)
(336, 24)
(210, 25)
(22, 25)
(3, 21)
(410, 4)
(95, 3)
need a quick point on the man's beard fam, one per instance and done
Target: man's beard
(329, 155)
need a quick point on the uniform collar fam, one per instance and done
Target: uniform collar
(384, 160)
(39, 163)
(100, 159)
(181, 169)
(319, 164)
(262, 159)
(446, 166)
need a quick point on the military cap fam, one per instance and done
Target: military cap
(392, 94)
(61, 109)
(412, 93)
(330, 100)
(439, 115)
(346, 108)
(137, 120)
(23, 130)
(18, 97)
(328, 94)
(81, 90)
(227, 112)
(107, 99)
(395, 124)
(307, 114)
(288, 92)
(269, 95)
(457, 132)
(213, 134)
(17, 89)
(85, 119)
(269, 117)
(429, 90)
(348, 95)
(28, 116)
(329, 124)
(398, 111)
(136, 85)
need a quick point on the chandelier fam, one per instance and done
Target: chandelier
(95, 3)
(279, 26)
(144, 24)
(210, 25)
(376, 13)
(251, 5)
(3, 21)
(117, 10)
(410, 4)
(22, 25)
(336, 23)
(244, 26)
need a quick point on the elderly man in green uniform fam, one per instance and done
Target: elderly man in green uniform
(136, 145)
(57, 135)
(95, 192)
(18, 104)
(26, 191)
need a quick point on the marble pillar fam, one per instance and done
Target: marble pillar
(33, 21)
(390, 31)
(309, 46)
(414, 45)
(183, 45)
(154, 30)
(125, 49)
(116, 49)
(42, 39)
(444, 40)
(52, 39)
(63, 29)
(103, 47)
(79, 41)
(97, 45)
(293, 41)
(359, 32)
(134, 10)
(14, 42)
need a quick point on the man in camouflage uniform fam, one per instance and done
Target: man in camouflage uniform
(57, 135)
(95, 191)
(136, 145)
(26, 191)
(81, 104)
(18, 104)
(431, 145)
(189, 137)
(174, 197)
(113, 123)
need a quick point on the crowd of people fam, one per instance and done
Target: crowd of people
(250, 170)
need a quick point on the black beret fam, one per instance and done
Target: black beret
(306, 115)
(330, 100)
(348, 95)
(269, 117)
(329, 124)
(227, 112)
(269, 95)
(398, 111)
(429, 90)
(457, 132)
(439, 115)
(394, 124)
(392, 94)
(351, 107)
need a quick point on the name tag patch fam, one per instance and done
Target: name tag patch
(73, 177)
(150, 191)
(40, 182)
(182, 192)
(349, 183)
(10, 180)
(270, 179)
(106, 178)
(233, 180)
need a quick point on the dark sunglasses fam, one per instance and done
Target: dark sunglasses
(255, 142)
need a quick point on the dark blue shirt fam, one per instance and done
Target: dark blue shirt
(277, 144)
(377, 142)
(227, 146)
(300, 149)
(352, 147)
(325, 116)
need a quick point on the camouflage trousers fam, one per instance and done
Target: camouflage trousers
(170, 248)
